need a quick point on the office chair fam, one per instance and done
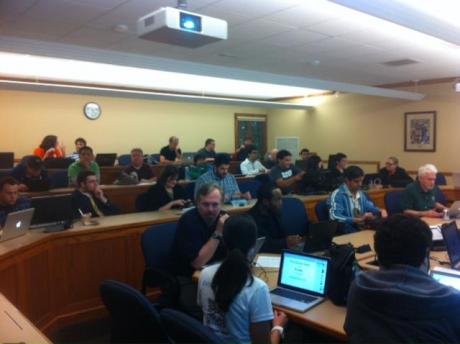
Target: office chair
(156, 243)
(294, 218)
(392, 202)
(6, 160)
(124, 159)
(440, 179)
(322, 210)
(182, 328)
(133, 319)
(142, 202)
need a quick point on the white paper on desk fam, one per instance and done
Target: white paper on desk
(436, 231)
(268, 261)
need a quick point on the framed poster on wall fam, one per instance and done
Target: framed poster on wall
(420, 131)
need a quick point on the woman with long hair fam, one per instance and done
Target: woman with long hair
(235, 303)
(166, 193)
(50, 148)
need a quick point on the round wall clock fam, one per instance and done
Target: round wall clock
(92, 110)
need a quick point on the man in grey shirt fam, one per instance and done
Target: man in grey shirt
(284, 174)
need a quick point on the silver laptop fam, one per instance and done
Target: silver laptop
(454, 210)
(447, 277)
(17, 223)
(302, 281)
(259, 243)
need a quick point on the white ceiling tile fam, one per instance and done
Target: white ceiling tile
(300, 16)
(293, 38)
(232, 18)
(93, 37)
(253, 8)
(103, 4)
(12, 8)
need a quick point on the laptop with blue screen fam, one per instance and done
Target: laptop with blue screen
(302, 281)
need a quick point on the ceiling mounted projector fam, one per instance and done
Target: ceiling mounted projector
(175, 26)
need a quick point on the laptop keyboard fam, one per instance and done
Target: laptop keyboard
(293, 295)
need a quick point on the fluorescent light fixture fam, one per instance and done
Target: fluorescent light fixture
(92, 73)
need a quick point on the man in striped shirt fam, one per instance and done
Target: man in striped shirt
(350, 206)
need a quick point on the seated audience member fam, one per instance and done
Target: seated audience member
(243, 152)
(79, 143)
(166, 193)
(85, 163)
(198, 168)
(270, 159)
(350, 206)
(209, 150)
(142, 170)
(267, 215)
(419, 197)
(285, 175)
(337, 167)
(394, 175)
(235, 303)
(32, 175)
(315, 180)
(401, 303)
(171, 153)
(220, 176)
(89, 198)
(304, 154)
(198, 242)
(252, 166)
(9, 198)
(50, 148)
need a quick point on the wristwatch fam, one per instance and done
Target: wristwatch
(279, 329)
(217, 235)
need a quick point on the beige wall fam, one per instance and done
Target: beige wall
(372, 128)
(125, 123)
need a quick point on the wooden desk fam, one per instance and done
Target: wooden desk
(15, 327)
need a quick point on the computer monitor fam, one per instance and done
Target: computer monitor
(106, 159)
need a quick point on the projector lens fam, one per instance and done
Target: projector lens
(190, 22)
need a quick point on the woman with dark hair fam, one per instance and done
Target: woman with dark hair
(50, 148)
(235, 303)
(166, 193)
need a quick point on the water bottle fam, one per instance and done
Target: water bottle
(446, 215)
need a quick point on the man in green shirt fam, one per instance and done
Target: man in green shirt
(419, 197)
(85, 163)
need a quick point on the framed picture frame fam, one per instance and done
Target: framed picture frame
(420, 131)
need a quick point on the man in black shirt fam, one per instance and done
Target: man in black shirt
(142, 170)
(209, 150)
(243, 152)
(9, 198)
(337, 165)
(32, 175)
(171, 153)
(394, 175)
(284, 174)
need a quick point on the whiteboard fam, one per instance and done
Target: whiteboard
(289, 143)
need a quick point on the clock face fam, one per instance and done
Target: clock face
(92, 111)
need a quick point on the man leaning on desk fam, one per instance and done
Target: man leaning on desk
(419, 197)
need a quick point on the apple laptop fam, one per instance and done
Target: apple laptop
(454, 210)
(17, 223)
(302, 281)
(446, 276)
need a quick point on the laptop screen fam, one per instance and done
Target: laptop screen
(305, 273)
(452, 240)
(50, 209)
(446, 278)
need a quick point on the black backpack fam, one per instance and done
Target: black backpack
(342, 271)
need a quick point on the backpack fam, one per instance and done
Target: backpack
(342, 271)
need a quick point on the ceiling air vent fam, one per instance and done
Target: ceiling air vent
(397, 63)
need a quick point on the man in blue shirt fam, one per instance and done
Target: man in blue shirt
(9, 198)
(220, 176)
(350, 206)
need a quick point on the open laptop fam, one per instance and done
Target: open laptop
(259, 243)
(17, 223)
(52, 212)
(454, 210)
(58, 163)
(452, 239)
(446, 276)
(302, 281)
(106, 159)
(319, 238)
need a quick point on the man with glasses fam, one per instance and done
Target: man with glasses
(394, 175)
(350, 206)
(198, 241)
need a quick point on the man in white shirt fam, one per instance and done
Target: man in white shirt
(252, 166)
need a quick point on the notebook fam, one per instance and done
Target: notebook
(452, 239)
(302, 281)
(446, 276)
(17, 223)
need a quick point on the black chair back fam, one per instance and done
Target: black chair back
(6, 160)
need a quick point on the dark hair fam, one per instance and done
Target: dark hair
(34, 163)
(304, 150)
(402, 239)
(222, 159)
(81, 178)
(353, 172)
(206, 189)
(282, 154)
(137, 150)
(338, 157)
(168, 172)
(265, 191)
(173, 138)
(48, 142)
(197, 157)
(313, 163)
(80, 139)
(7, 180)
(208, 141)
(251, 148)
(86, 148)
(240, 234)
